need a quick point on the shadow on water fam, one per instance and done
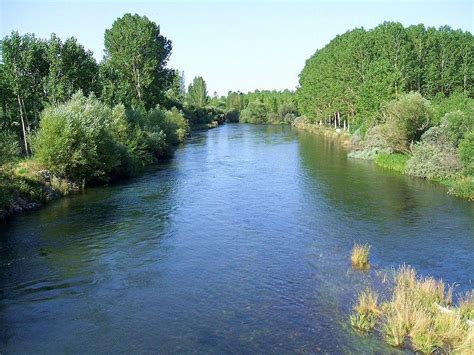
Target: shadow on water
(239, 244)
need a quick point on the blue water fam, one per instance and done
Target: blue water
(239, 244)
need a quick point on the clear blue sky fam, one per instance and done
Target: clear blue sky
(234, 45)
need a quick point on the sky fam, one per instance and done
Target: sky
(235, 45)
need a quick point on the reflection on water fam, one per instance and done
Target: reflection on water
(239, 244)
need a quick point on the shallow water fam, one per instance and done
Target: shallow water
(239, 244)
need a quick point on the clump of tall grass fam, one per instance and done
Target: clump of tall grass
(360, 256)
(366, 311)
(420, 314)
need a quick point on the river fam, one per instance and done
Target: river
(238, 244)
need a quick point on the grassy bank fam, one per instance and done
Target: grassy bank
(340, 135)
(457, 185)
(25, 186)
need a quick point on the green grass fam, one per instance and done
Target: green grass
(462, 187)
(13, 186)
(393, 161)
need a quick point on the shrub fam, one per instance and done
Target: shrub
(286, 109)
(407, 118)
(466, 153)
(232, 116)
(9, 147)
(274, 118)
(76, 139)
(433, 162)
(175, 126)
(457, 124)
(289, 118)
(457, 101)
(255, 112)
(360, 256)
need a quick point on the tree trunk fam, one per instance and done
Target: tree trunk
(25, 139)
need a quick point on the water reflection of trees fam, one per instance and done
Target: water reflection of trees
(359, 188)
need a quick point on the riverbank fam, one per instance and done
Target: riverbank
(340, 135)
(462, 186)
(27, 186)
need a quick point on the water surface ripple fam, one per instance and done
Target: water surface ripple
(239, 244)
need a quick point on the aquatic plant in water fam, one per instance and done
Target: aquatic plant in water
(420, 314)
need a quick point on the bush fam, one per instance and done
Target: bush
(273, 118)
(285, 110)
(457, 101)
(9, 147)
(409, 116)
(77, 139)
(232, 116)
(203, 115)
(466, 153)
(255, 112)
(176, 127)
(433, 162)
(457, 124)
(436, 157)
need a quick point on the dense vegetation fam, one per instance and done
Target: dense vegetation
(358, 72)
(406, 94)
(260, 107)
(89, 122)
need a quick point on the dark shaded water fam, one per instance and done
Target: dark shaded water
(239, 244)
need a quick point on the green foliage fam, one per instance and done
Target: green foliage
(76, 139)
(198, 116)
(357, 72)
(9, 147)
(136, 55)
(197, 93)
(410, 115)
(280, 106)
(71, 68)
(433, 162)
(396, 162)
(466, 153)
(255, 112)
(462, 187)
(456, 102)
(232, 116)
(13, 186)
(455, 125)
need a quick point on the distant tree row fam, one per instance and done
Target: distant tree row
(351, 77)
(260, 106)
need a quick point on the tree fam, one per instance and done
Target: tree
(71, 68)
(176, 91)
(24, 69)
(137, 54)
(197, 93)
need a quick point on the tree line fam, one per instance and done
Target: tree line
(405, 93)
(40, 77)
(356, 73)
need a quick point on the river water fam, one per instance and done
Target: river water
(239, 244)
